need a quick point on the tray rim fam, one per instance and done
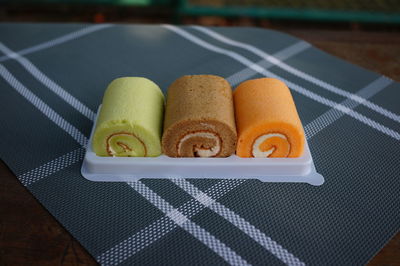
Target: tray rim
(306, 174)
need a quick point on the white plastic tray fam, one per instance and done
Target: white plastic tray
(123, 169)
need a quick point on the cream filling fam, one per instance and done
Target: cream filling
(124, 146)
(257, 152)
(199, 151)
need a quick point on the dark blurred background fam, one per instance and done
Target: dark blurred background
(343, 14)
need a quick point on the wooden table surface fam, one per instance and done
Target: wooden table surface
(30, 235)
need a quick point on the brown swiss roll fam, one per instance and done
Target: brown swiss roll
(199, 118)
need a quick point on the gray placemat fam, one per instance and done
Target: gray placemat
(53, 79)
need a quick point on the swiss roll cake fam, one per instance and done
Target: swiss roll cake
(267, 121)
(199, 118)
(130, 119)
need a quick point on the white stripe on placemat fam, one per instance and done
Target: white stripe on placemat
(272, 246)
(52, 167)
(184, 222)
(43, 107)
(283, 54)
(276, 61)
(137, 242)
(54, 87)
(291, 85)
(150, 234)
(57, 41)
(346, 110)
(330, 116)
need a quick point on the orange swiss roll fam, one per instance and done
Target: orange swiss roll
(267, 121)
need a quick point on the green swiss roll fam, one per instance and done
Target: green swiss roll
(130, 119)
